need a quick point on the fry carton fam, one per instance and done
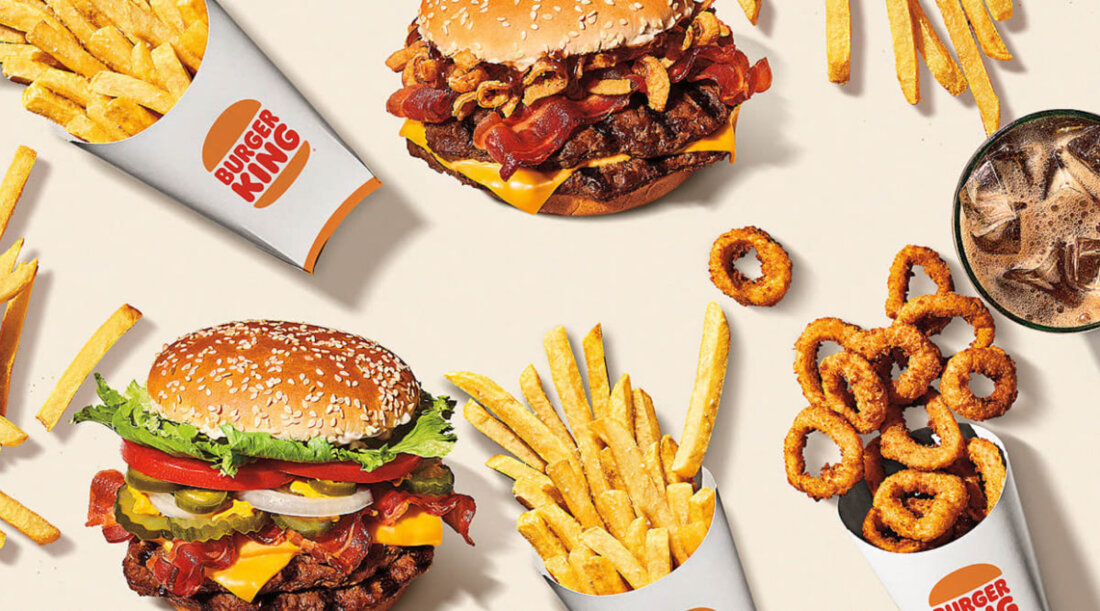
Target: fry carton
(244, 148)
(991, 568)
(711, 580)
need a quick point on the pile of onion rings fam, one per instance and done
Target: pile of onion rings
(925, 494)
(775, 267)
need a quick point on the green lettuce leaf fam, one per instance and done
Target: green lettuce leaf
(128, 414)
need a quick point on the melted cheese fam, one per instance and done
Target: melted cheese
(142, 504)
(255, 566)
(416, 527)
(529, 189)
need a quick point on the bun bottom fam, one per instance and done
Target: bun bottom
(575, 205)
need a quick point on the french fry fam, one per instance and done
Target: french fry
(83, 127)
(15, 50)
(531, 385)
(985, 30)
(23, 71)
(26, 521)
(546, 544)
(11, 329)
(622, 404)
(41, 101)
(169, 13)
(838, 36)
(692, 536)
(515, 469)
(605, 579)
(562, 572)
(23, 17)
(635, 536)
(576, 558)
(653, 464)
(643, 493)
(11, 35)
(3, 539)
(68, 84)
(567, 382)
(617, 512)
(72, 19)
(599, 386)
(145, 93)
(668, 450)
(701, 506)
(116, 12)
(141, 63)
(905, 48)
(614, 479)
(7, 263)
(16, 282)
(97, 112)
(129, 115)
(101, 341)
(658, 559)
(92, 13)
(492, 428)
(15, 179)
(940, 62)
(10, 435)
(988, 105)
(532, 493)
(170, 72)
(1001, 9)
(109, 46)
(752, 9)
(625, 562)
(65, 49)
(706, 396)
(565, 526)
(679, 500)
(39, 4)
(646, 429)
(192, 44)
(570, 482)
(190, 12)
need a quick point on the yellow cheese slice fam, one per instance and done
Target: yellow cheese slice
(142, 504)
(255, 566)
(529, 189)
(416, 527)
(301, 488)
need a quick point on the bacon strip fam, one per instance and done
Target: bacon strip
(101, 505)
(422, 103)
(343, 547)
(457, 510)
(183, 569)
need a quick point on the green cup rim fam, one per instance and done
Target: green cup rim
(956, 225)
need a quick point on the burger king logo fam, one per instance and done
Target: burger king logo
(254, 153)
(978, 587)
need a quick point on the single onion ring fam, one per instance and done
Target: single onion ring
(901, 271)
(897, 444)
(991, 362)
(948, 495)
(986, 457)
(833, 479)
(922, 310)
(775, 277)
(878, 534)
(807, 347)
(854, 390)
(873, 471)
(965, 470)
(924, 362)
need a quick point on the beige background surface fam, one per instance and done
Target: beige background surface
(449, 279)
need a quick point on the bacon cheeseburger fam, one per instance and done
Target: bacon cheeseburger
(573, 108)
(277, 465)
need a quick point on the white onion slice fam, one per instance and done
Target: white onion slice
(166, 504)
(273, 501)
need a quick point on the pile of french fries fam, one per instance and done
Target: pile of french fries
(613, 504)
(16, 284)
(103, 69)
(970, 25)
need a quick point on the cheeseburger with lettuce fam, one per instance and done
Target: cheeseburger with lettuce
(277, 465)
(566, 107)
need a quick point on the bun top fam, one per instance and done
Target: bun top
(519, 32)
(292, 380)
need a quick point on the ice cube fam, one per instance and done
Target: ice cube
(991, 206)
(1049, 276)
(1083, 263)
(1081, 157)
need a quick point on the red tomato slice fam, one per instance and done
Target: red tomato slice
(200, 474)
(349, 471)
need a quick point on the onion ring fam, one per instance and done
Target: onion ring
(986, 457)
(923, 360)
(921, 311)
(878, 534)
(854, 390)
(873, 471)
(991, 362)
(899, 445)
(901, 271)
(807, 347)
(964, 469)
(833, 479)
(775, 277)
(948, 495)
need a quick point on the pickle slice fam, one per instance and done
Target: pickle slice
(331, 488)
(142, 482)
(144, 527)
(208, 529)
(310, 528)
(432, 479)
(198, 500)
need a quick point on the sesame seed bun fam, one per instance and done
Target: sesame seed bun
(519, 32)
(292, 380)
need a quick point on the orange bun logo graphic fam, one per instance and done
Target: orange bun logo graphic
(978, 587)
(253, 153)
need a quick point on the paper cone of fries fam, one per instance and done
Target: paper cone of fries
(244, 148)
(712, 579)
(993, 567)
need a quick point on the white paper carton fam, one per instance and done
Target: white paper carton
(244, 148)
(991, 568)
(712, 579)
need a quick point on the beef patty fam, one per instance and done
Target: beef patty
(303, 585)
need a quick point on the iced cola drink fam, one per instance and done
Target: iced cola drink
(1028, 221)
